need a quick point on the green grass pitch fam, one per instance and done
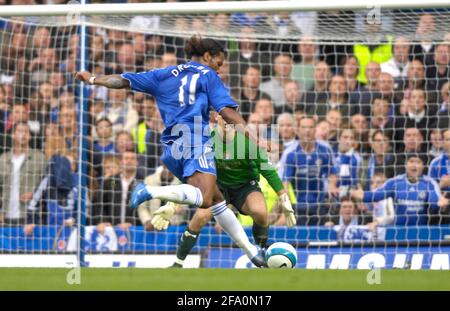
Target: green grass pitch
(220, 279)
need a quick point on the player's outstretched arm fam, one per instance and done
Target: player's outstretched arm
(109, 81)
(232, 117)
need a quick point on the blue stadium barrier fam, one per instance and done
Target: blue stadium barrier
(49, 238)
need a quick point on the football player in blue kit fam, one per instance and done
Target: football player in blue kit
(184, 95)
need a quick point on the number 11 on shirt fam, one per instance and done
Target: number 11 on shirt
(192, 88)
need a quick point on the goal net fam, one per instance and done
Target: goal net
(355, 103)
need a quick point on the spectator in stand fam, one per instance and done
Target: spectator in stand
(43, 65)
(334, 119)
(249, 93)
(348, 216)
(415, 195)
(264, 108)
(323, 132)
(41, 40)
(146, 135)
(382, 211)
(115, 39)
(372, 52)
(111, 166)
(119, 111)
(247, 55)
(287, 130)
(104, 144)
(319, 92)
(419, 115)
(308, 168)
(413, 142)
(348, 162)
(416, 79)
(443, 117)
(379, 113)
(292, 94)
(168, 59)
(139, 44)
(424, 32)
(387, 90)
(110, 204)
(19, 113)
(362, 97)
(440, 172)
(360, 126)
(397, 66)
(303, 71)
(381, 159)
(349, 70)
(48, 101)
(436, 143)
(224, 73)
(338, 100)
(21, 169)
(123, 142)
(10, 54)
(55, 200)
(438, 66)
(282, 72)
(4, 109)
(161, 177)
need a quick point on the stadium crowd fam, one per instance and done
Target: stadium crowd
(360, 132)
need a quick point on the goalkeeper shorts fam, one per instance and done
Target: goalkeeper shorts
(237, 195)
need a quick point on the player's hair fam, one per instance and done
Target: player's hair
(197, 46)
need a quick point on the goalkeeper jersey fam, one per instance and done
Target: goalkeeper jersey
(240, 160)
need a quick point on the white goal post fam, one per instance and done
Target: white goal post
(216, 7)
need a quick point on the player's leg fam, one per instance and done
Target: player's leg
(183, 194)
(255, 207)
(223, 215)
(231, 225)
(188, 239)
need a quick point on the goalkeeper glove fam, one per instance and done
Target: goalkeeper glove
(291, 219)
(161, 217)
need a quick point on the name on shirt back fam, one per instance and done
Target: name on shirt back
(180, 68)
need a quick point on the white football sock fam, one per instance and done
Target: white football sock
(228, 221)
(183, 194)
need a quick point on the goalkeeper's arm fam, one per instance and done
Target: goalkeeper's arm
(286, 207)
(161, 217)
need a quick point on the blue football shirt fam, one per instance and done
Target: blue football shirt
(412, 201)
(439, 167)
(184, 95)
(308, 172)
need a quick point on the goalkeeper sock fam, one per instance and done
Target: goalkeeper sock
(183, 194)
(260, 235)
(187, 242)
(228, 221)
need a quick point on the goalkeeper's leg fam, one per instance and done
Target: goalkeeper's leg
(255, 207)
